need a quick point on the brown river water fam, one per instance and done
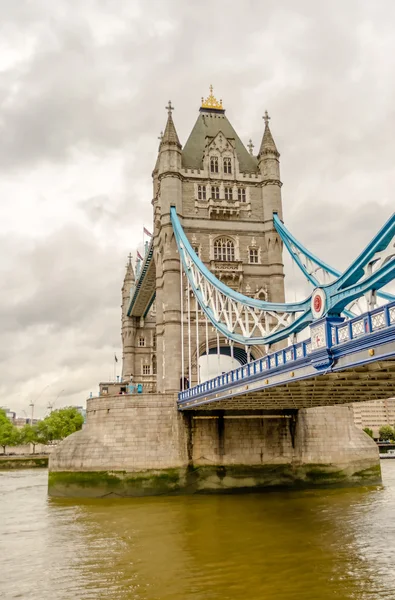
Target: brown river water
(313, 545)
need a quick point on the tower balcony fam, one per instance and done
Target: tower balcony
(230, 272)
(223, 208)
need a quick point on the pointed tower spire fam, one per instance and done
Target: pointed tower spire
(169, 157)
(267, 145)
(170, 135)
(128, 323)
(129, 275)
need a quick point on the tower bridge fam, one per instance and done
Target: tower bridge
(211, 284)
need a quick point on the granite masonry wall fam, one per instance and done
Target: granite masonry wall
(141, 445)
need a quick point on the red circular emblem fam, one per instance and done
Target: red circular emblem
(317, 303)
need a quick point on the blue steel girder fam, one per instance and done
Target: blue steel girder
(373, 259)
(251, 321)
(371, 270)
(316, 271)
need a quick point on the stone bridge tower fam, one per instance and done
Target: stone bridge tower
(140, 444)
(225, 197)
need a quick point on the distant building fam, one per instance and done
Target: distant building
(81, 410)
(374, 414)
(9, 413)
(18, 421)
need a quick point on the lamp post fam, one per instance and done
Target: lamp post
(35, 400)
(32, 407)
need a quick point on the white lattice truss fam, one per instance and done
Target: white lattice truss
(237, 317)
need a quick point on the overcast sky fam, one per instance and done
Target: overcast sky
(83, 90)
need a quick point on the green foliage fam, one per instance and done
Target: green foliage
(28, 435)
(59, 424)
(369, 431)
(42, 432)
(386, 432)
(9, 434)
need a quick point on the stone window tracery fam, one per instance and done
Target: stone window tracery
(227, 165)
(228, 193)
(146, 369)
(214, 164)
(154, 365)
(201, 192)
(253, 256)
(224, 250)
(241, 194)
(215, 192)
(142, 342)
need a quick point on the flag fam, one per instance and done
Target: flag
(139, 255)
(147, 232)
(115, 358)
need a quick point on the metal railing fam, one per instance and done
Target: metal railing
(340, 333)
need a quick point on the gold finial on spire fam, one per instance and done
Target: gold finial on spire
(266, 118)
(211, 101)
(250, 146)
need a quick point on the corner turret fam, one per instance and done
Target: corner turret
(169, 158)
(128, 323)
(269, 166)
(268, 156)
(128, 281)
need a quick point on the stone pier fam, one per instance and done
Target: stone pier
(141, 445)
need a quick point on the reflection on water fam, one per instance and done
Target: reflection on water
(316, 545)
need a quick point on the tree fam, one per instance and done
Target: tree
(28, 435)
(43, 434)
(59, 424)
(369, 431)
(386, 432)
(9, 434)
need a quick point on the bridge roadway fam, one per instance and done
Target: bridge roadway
(342, 362)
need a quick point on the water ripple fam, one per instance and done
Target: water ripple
(314, 545)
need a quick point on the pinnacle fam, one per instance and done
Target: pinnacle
(129, 275)
(170, 135)
(267, 144)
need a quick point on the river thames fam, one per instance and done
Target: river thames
(313, 545)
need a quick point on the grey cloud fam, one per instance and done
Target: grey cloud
(96, 82)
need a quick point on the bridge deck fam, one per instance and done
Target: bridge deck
(356, 363)
(369, 382)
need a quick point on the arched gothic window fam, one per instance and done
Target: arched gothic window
(227, 165)
(214, 164)
(224, 249)
(215, 192)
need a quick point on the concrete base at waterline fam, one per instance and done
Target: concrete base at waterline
(142, 446)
